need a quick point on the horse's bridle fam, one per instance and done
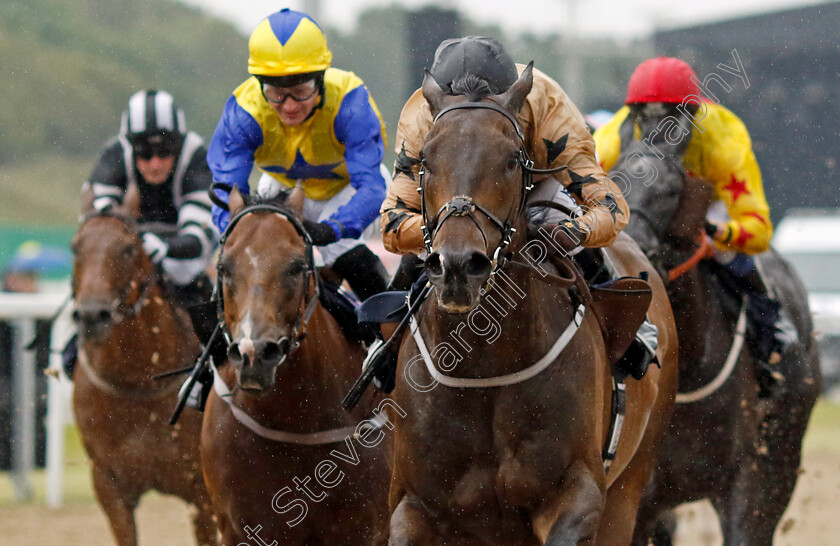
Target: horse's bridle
(120, 310)
(463, 205)
(702, 251)
(288, 344)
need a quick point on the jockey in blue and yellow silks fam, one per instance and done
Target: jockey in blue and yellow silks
(301, 122)
(722, 154)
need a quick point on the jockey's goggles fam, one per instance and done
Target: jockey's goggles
(145, 150)
(299, 93)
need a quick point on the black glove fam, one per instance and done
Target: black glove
(321, 234)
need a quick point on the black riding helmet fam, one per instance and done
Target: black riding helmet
(477, 55)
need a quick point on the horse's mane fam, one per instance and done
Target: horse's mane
(473, 87)
(110, 212)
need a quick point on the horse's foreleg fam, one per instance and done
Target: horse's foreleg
(411, 525)
(118, 505)
(204, 526)
(572, 517)
(622, 504)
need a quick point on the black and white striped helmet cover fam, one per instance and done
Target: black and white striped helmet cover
(151, 112)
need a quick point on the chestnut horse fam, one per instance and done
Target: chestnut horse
(725, 444)
(282, 460)
(509, 450)
(129, 332)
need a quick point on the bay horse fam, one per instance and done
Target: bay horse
(282, 460)
(725, 444)
(129, 331)
(506, 378)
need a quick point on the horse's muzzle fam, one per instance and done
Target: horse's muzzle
(256, 361)
(93, 320)
(458, 277)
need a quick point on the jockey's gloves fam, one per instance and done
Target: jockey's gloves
(154, 247)
(268, 188)
(321, 233)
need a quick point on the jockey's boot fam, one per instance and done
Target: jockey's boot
(771, 332)
(641, 353)
(594, 268)
(363, 271)
(195, 297)
(70, 356)
(407, 275)
(386, 378)
(774, 334)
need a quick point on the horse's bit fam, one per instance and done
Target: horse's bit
(287, 344)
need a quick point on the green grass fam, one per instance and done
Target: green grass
(44, 191)
(77, 479)
(823, 436)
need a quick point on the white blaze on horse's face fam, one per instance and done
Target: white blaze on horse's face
(253, 257)
(246, 342)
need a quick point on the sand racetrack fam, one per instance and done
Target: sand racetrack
(164, 521)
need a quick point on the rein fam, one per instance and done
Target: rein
(124, 392)
(323, 437)
(463, 205)
(705, 250)
(299, 330)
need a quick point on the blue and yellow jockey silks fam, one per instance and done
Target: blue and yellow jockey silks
(288, 42)
(722, 154)
(341, 143)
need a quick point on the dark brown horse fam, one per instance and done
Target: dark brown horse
(726, 445)
(282, 460)
(508, 450)
(129, 332)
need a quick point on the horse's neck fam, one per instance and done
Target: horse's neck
(694, 308)
(152, 341)
(311, 382)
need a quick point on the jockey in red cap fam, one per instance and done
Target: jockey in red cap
(720, 151)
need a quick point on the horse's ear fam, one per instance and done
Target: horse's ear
(236, 201)
(295, 201)
(131, 201)
(433, 94)
(86, 198)
(514, 97)
(627, 130)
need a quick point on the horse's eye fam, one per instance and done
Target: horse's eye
(295, 268)
(512, 162)
(129, 251)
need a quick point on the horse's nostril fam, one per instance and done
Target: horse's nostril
(434, 265)
(234, 355)
(271, 352)
(92, 317)
(478, 265)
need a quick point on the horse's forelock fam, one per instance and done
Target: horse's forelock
(278, 201)
(473, 87)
